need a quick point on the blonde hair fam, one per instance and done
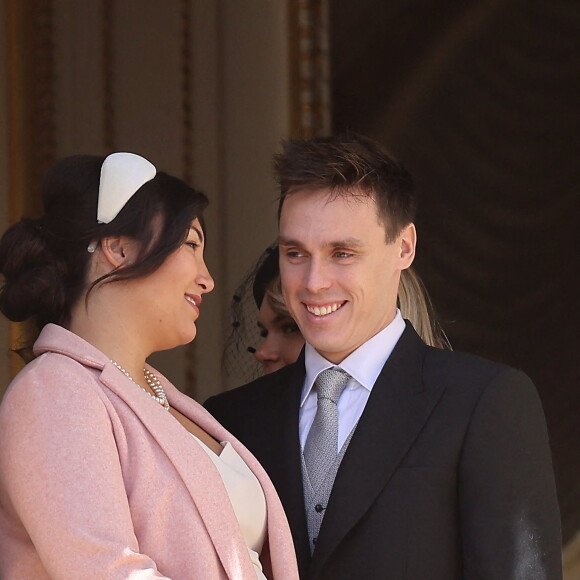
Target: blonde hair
(415, 305)
(275, 298)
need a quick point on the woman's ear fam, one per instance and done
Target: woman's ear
(118, 250)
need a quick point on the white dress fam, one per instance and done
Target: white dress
(246, 497)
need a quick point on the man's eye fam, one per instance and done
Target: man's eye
(343, 254)
(293, 254)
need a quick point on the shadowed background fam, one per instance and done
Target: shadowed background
(482, 102)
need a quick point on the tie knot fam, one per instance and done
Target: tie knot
(330, 383)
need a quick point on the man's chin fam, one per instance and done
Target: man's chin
(329, 349)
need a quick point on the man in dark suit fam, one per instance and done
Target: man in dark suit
(422, 464)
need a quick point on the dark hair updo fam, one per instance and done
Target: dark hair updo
(45, 261)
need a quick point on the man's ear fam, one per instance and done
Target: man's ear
(118, 250)
(407, 244)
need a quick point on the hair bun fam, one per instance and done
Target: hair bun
(33, 284)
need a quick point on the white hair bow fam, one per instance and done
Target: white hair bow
(122, 174)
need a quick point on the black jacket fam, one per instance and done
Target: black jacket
(447, 476)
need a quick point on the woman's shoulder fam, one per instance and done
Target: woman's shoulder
(48, 382)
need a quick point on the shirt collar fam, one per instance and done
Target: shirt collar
(364, 364)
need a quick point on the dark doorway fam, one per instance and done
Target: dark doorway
(481, 100)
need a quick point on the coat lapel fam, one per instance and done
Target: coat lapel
(283, 562)
(191, 462)
(395, 413)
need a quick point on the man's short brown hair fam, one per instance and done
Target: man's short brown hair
(349, 165)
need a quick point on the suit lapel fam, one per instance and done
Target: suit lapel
(279, 452)
(394, 415)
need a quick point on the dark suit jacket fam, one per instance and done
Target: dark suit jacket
(447, 476)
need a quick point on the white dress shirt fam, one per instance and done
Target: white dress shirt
(363, 365)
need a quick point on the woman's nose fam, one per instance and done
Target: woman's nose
(265, 352)
(204, 279)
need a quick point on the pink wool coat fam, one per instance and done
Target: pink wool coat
(98, 481)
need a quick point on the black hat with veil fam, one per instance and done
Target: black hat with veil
(238, 363)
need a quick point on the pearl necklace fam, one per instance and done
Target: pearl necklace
(152, 381)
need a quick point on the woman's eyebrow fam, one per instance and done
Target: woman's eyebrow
(198, 231)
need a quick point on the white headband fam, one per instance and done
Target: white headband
(122, 174)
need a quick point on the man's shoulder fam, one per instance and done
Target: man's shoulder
(461, 369)
(262, 388)
(445, 366)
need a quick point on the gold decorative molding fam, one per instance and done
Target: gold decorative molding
(30, 100)
(309, 68)
(571, 558)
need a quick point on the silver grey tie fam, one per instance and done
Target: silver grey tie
(321, 447)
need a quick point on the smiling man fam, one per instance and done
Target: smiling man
(392, 459)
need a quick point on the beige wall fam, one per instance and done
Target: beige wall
(255, 117)
(238, 106)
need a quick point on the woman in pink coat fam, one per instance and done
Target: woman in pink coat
(107, 471)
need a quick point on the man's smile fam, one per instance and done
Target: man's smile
(323, 310)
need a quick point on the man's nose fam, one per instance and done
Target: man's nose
(317, 276)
